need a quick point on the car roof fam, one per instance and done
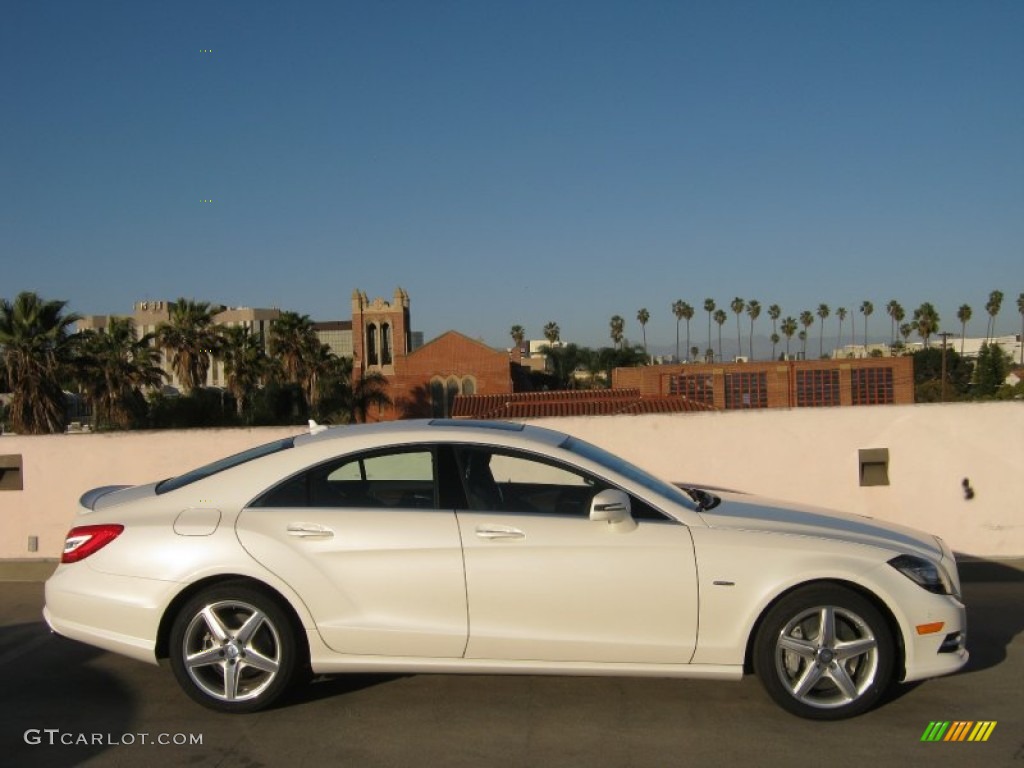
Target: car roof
(447, 430)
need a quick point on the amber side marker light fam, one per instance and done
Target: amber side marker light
(930, 629)
(86, 540)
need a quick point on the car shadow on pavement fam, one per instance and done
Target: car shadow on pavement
(993, 593)
(329, 686)
(56, 707)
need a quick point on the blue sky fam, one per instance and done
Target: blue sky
(516, 162)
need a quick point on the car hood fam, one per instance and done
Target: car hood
(752, 513)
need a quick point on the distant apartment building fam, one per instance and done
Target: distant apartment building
(336, 334)
(148, 315)
(971, 346)
(778, 384)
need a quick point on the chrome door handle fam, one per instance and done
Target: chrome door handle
(499, 532)
(309, 531)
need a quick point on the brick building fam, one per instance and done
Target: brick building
(425, 381)
(573, 402)
(781, 384)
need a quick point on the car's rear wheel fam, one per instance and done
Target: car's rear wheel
(825, 653)
(233, 649)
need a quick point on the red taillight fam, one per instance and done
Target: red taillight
(87, 539)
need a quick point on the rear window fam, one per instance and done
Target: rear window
(220, 465)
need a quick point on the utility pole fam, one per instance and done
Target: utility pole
(945, 336)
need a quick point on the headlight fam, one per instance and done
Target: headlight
(924, 573)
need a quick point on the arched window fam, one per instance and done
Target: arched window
(371, 345)
(469, 386)
(385, 344)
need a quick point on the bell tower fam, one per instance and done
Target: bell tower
(380, 332)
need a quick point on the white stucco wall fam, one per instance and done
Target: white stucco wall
(806, 455)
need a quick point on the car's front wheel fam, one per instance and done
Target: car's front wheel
(233, 649)
(825, 653)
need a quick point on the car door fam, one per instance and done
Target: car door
(361, 540)
(546, 583)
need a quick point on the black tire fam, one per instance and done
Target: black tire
(234, 649)
(822, 675)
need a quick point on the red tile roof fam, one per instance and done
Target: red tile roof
(582, 402)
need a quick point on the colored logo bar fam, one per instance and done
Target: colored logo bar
(958, 730)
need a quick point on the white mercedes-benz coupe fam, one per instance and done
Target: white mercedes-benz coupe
(489, 547)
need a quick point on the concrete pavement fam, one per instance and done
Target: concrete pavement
(113, 711)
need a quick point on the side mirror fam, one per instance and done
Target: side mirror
(612, 507)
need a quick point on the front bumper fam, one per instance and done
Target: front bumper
(939, 652)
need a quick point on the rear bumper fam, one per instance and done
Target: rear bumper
(117, 613)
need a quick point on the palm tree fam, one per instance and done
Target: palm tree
(289, 342)
(720, 318)
(293, 347)
(737, 305)
(320, 368)
(754, 310)
(775, 340)
(1020, 308)
(518, 333)
(866, 308)
(687, 313)
(192, 338)
(905, 330)
(552, 332)
(642, 317)
(926, 321)
(964, 316)
(898, 314)
(359, 397)
(806, 320)
(890, 310)
(841, 314)
(566, 360)
(823, 312)
(774, 312)
(618, 327)
(114, 369)
(788, 329)
(246, 366)
(36, 349)
(995, 303)
(709, 307)
(677, 310)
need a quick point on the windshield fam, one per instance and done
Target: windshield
(624, 468)
(221, 464)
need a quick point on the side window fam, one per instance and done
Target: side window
(507, 482)
(494, 481)
(396, 480)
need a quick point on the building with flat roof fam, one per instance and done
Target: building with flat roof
(778, 384)
(337, 335)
